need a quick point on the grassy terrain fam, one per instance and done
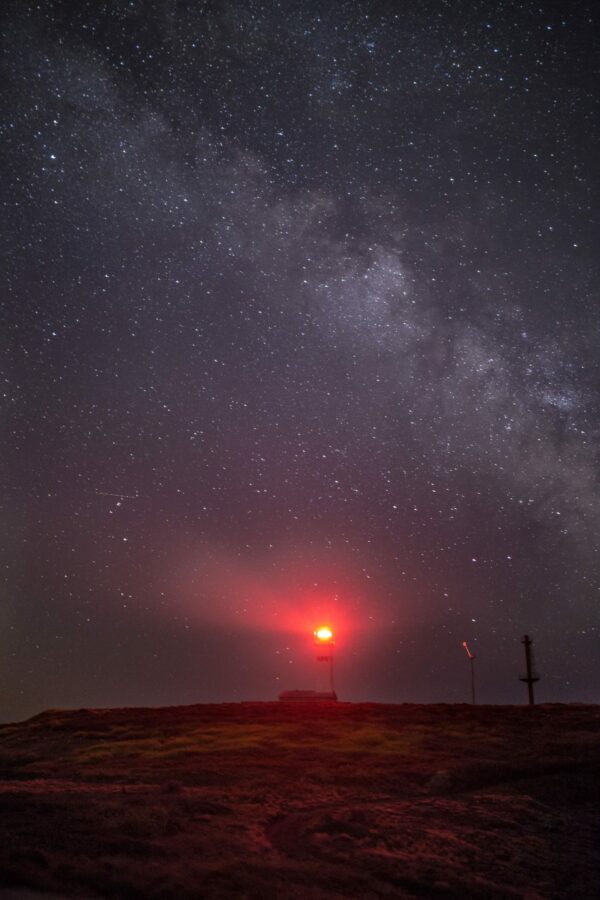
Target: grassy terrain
(303, 801)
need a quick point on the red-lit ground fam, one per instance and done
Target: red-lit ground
(303, 801)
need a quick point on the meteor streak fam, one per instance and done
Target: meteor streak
(120, 496)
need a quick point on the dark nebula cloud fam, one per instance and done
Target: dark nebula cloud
(300, 322)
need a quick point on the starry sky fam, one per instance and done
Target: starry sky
(300, 325)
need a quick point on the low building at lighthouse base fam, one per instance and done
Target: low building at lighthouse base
(308, 696)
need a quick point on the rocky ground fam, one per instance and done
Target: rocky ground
(294, 800)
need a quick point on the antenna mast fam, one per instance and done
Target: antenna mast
(531, 676)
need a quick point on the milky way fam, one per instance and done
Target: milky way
(300, 322)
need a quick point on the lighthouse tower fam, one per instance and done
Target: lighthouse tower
(324, 644)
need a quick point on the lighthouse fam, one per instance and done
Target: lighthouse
(324, 644)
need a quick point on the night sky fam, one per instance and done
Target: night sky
(300, 325)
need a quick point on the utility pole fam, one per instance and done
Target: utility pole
(531, 677)
(472, 661)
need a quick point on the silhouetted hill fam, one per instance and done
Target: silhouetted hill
(277, 800)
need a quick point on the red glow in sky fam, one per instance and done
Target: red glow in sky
(285, 591)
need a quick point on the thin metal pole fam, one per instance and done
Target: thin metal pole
(472, 661)
(530, 678)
